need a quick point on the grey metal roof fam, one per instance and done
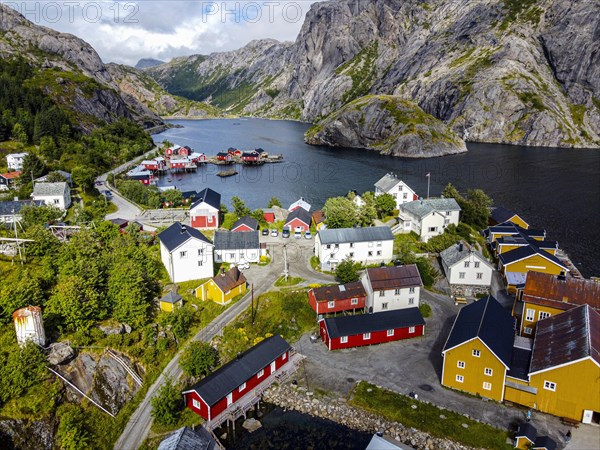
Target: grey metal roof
(387, 182)
(227, 240)
(458, 252)
(171, 297)
(370, 323)
(8, 208)
(179, 233)
(65, 175)
(423, 207)
(45, 189)
(343, 235)
(187, 439)
(221, 382)
(250, 222)
(301, 214)
(490, 322)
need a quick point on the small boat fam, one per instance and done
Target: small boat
(227, 173)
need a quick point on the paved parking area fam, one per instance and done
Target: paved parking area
(410, 366)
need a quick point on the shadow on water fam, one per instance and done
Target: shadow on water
(291, 430)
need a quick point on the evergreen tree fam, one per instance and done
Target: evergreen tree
(167, 404)
(347, 271)
(340, 212)
(198, 359)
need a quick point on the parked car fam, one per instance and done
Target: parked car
(285, 233)
(308, 235)
(243, 265)
(265, 231)
(107, 194)
(274, 232)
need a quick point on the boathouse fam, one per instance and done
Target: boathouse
(334, 299)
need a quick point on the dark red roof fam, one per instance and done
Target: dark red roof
(560, 292)
(383, 278)
(230, 279)
(339, 292)
(10, 175)
(565, 338)
(318, 217)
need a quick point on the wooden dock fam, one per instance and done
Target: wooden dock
(573, 270)
(252, 398)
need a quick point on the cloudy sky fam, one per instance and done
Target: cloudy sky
(125, 31)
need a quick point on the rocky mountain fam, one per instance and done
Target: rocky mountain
(508, 71)
(145, 63)
(388, 124)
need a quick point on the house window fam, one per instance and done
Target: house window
(354, 301)
(284, 356)
(56, 201)
(460, 378)
(336, 246)
(242, 387)
(476, 264)
(528, 330)
(411, 290)
(384, 306)
(199, 263)
(550, 386)
(260, 374)
(351, 254)
(479, 275)
(411, 301)
(366, 336)
(476, 353)
(232, 255)
(328, 246)
(351, 244)
(330, 304)
(183, 254)
(467, 263)
(371, 244)
(543, 315)
(489, 372)
(432, 229)
(397, 292)
(196, 404)
(448, 213)
(344, 339)
(487, 386)
(530, 315)
(411, 330)
(404, 196)
(378, 252)
(200, 251)
(460, 364)
(378, 243)
(381, 293)
(461, 275)
(390, 332)
(370, 253)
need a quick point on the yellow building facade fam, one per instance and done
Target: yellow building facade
(210, 291)
(532, 314)
(536, 263)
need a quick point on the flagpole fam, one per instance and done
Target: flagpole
(428, 181)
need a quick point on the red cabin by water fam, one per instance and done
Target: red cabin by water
(299, 219)
(227, 385)
(369, 329)
(334, 299)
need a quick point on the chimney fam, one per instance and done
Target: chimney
(222, 271)
(183, 229)
(460, 246)
(562, 276)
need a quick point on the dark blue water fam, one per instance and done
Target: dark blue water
(556, 189)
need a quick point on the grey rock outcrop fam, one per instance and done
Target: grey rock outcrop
(60, 353)
(389, 125)
(494, 71)
(27, 434)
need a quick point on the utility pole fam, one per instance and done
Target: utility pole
(428, 181)
(285, 262)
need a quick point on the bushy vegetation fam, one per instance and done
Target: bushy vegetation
(475, 207)
(198, 359)
(347, 271)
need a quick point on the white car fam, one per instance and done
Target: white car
(243, 265)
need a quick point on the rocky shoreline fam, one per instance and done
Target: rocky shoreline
(300, 399)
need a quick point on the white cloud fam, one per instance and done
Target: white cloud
(124, 32)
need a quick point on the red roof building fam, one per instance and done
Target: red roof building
(334, 299)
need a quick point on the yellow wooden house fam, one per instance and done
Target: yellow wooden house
(546, 295)
(223, 287)
(500, 215)
(507, 229)
(526, 438)
(505, 244)
(564, 371)
(318, 220)
(478, 351)
(171, 301)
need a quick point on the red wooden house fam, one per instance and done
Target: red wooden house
(369, 329)
(250, 157)
(234, 151)
(205, 211)
(141, 174)
(246, 223)
(334, 299)
(269, 215)
(150, 164)
(299, 219)
(185, 151)
(224, 156)
(180, 163)
(172, 151)
(227, 385)
(197, 158)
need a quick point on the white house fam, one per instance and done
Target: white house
(428, 217)
(66, 175)
(10, 211)
(232, 247)
(14, 161)
(390, 288)
(186, 253)
(299, 204)
(53, 194)
(371, 245)
(466, 266)
(205, 211)
(390, 184)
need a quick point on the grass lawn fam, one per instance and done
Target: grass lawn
(426, 417)
(291, 281)
(286, 313)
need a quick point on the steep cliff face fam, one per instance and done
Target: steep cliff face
(521, 72)
(390, 125)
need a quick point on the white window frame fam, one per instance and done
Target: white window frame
(460, 378)
(183, 254)
(196, 403)
(467, 264)
(344, 340)
(370, 254)
(384, 305)
(411, 301)
(550, 385)
(411, 290)
(354, 301)
(390, 332)
(260, 373)
(476, 353)
(528, 330)
(487, 385)
(200, 251)
(330, 304)
(476, 264)
(242, 387)
(397, 291)
(461, 364)
(461, 275)
(382, 293)
(530, 315)
(366, 336)
(411, 330)
(199, 263)
(480, 275)
(378, 252)
(487, 371)
(543, 315)
(284, 356)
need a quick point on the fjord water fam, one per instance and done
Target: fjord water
(556, 189)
